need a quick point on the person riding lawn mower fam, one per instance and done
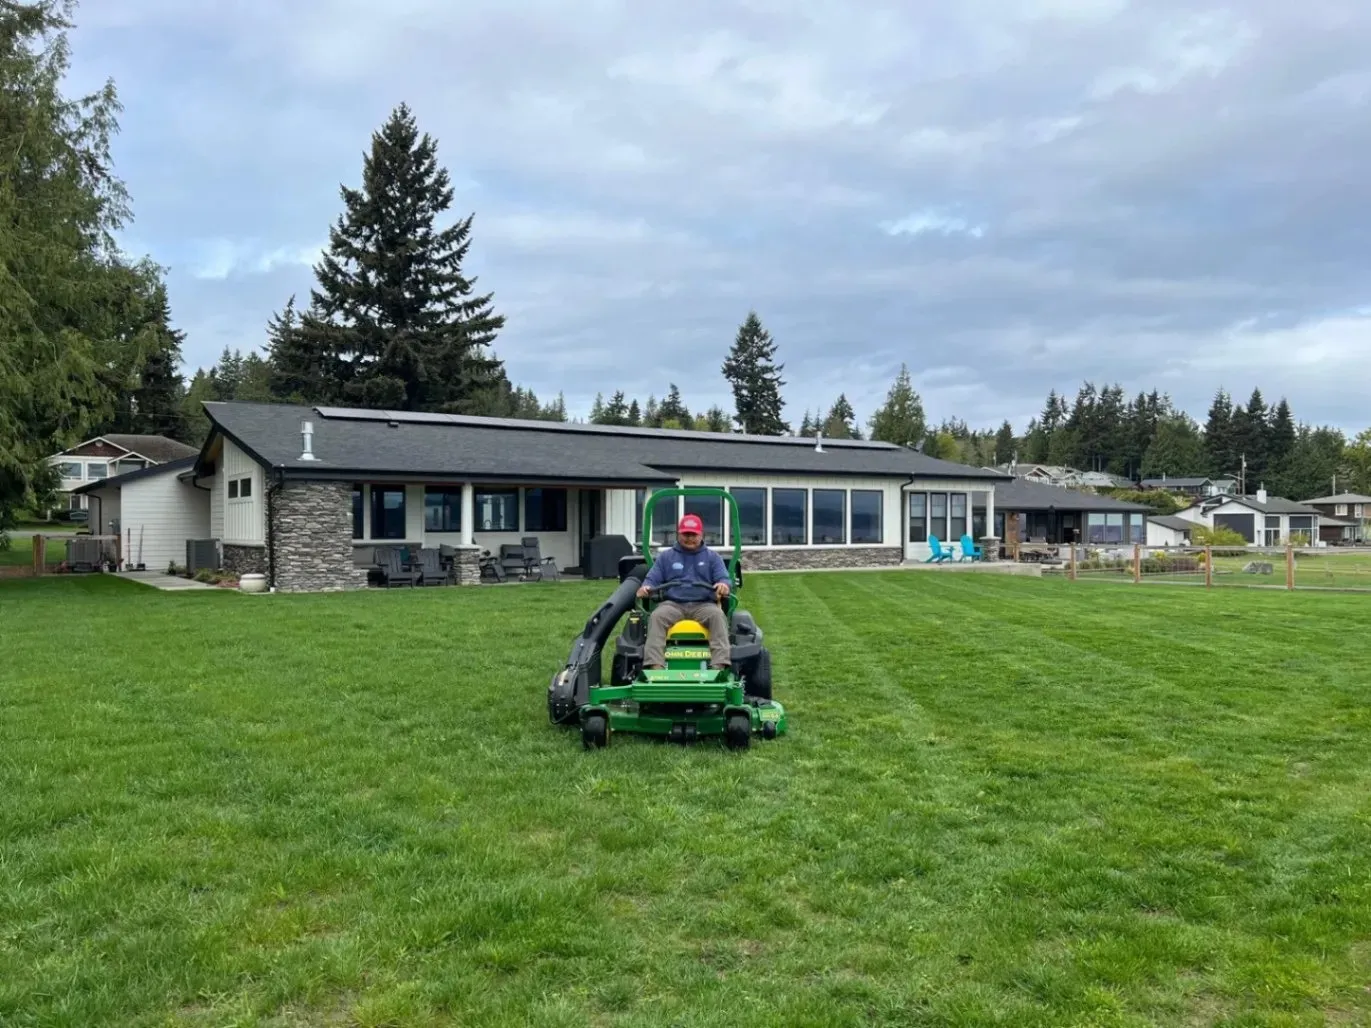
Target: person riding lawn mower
(688, 664)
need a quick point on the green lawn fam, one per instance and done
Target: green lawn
(1005, 801)
(20, 551)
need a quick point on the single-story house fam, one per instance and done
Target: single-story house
(1056, 515)
(1169, 530)
(153, 511)
(1261, 520)
(1345, 517)
(306, 494)
(103, 457)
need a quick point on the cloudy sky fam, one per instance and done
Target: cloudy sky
(1008, 195)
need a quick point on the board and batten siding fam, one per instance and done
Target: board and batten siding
(216, 505)
(157, 515)
(244, 523)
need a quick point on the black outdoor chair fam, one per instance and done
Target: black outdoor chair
(512, 560)
(491, 568)
(393, 569)
(431, 568)
(536, 566)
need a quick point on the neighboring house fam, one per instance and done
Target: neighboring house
(107, 456)
(306, 494)
(1100, 480)
(1195, 487)
(1169, 530)
(1345, 517)
(1055, 515)
(153, 511)
(1065, 477)
(1261, 520)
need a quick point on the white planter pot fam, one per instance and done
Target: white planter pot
(253, 583)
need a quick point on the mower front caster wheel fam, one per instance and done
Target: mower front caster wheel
(738, 731)
(595, 732)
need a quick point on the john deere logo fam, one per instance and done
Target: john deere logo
(680, 653)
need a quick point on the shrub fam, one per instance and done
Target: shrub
(1203, 535)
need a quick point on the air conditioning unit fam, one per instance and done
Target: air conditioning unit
(201, 554)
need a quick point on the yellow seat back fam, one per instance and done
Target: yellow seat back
(687, 629)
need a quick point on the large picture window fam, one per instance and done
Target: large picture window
(357, 511)
(868, 509)
(70, 469)
(387, 512)
(1137, 531)
(710, 510)
(789, 508)
(830, 517)
(918, 517)
(544, 510)
(937, 515)
(956, 527)
(663, 519)
(751, 515)
(443, 509)
(497, 510)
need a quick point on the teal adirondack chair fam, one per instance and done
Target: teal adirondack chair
(938, 554)
(970, 551)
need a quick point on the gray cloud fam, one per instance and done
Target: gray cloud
(1160, 193)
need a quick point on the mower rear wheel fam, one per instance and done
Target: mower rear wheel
(738, 731)
(595, 732)
(758, 682)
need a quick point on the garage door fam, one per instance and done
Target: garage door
(1244, 524)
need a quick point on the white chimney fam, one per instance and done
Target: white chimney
(819, 442)
(1261, 493)
(307, 440)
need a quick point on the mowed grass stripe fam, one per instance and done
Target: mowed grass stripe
(1002, 804)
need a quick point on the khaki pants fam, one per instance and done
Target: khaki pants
(666, 614)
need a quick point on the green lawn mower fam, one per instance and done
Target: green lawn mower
(687, 700)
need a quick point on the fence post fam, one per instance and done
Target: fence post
(1137, 563)
(40, 555)
(1289, 565)
(1209, 567)
(1073, 562)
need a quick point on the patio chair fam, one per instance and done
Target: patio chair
(393, 569)
(536, 566)
(491, 568)
(938, 554)
(431, 570)
(512, 560)
(970, 551)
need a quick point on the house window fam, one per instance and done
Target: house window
(70, 469)
(357, 512)
(918, 517)
(233, 489)
(497, 510)
(1095, 529)
(443, 509)
(1341, 511)
(957, 526)
(544, 510)
(788, 516)
(94, 471)
(1136, 532)
(1113, 528)
(868, 510)
(1272, 536)
(245, 490)
(751, 515)
(387, 513)
(710, 510)
(937, 515)
(1301, 528)
(830, 517)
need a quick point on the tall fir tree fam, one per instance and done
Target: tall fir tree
(841, 420)
(673, 412)
(1005, 444)
(156, 399)
(393, 316)
(1218, 436)
(1176, 450)
(635, 414)
(754, 375)
(807, 429)
(302, 371)
(1250, 431)
(900, 420)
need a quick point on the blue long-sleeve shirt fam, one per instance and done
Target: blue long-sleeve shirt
(687, 577)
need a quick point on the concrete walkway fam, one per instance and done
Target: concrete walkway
(161, 580)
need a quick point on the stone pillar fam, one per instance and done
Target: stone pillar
(467, 563)
(990, 548)
(311, 525)
(468, 514)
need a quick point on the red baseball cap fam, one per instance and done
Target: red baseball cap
(691, 523)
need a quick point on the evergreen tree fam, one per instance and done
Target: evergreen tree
(1318, 455)
(1357, 458)
(673, 413)
(900, 419)
(303, 369)
(194, 423)
(1176, 451)
(652, 415)
(226, 376)
(841, 422)
(1005, 444)
(72, 312)
(1218, 436)
(716, 419)
(807, 428)
(157, 396)
(752, 371)
(1250, 429)
(254, 380)
(393, 316)
(635, 415)
(1035, 444)
(597, 410)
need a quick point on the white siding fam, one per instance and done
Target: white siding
(1160, 535)
(159, 514)
(104, 504)
(216, 505)
(621, 509)
(244, 524)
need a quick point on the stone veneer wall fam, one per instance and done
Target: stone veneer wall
(468, 565)
(311, 524)
(821, 557)
(245, 560)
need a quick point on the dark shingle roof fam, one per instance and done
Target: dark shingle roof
(1179, 483)
(1273, 504)
(1174, 523)
(181, 464)
(1341, 498)
(153, 447)
(357, 441)
(1023, 495)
